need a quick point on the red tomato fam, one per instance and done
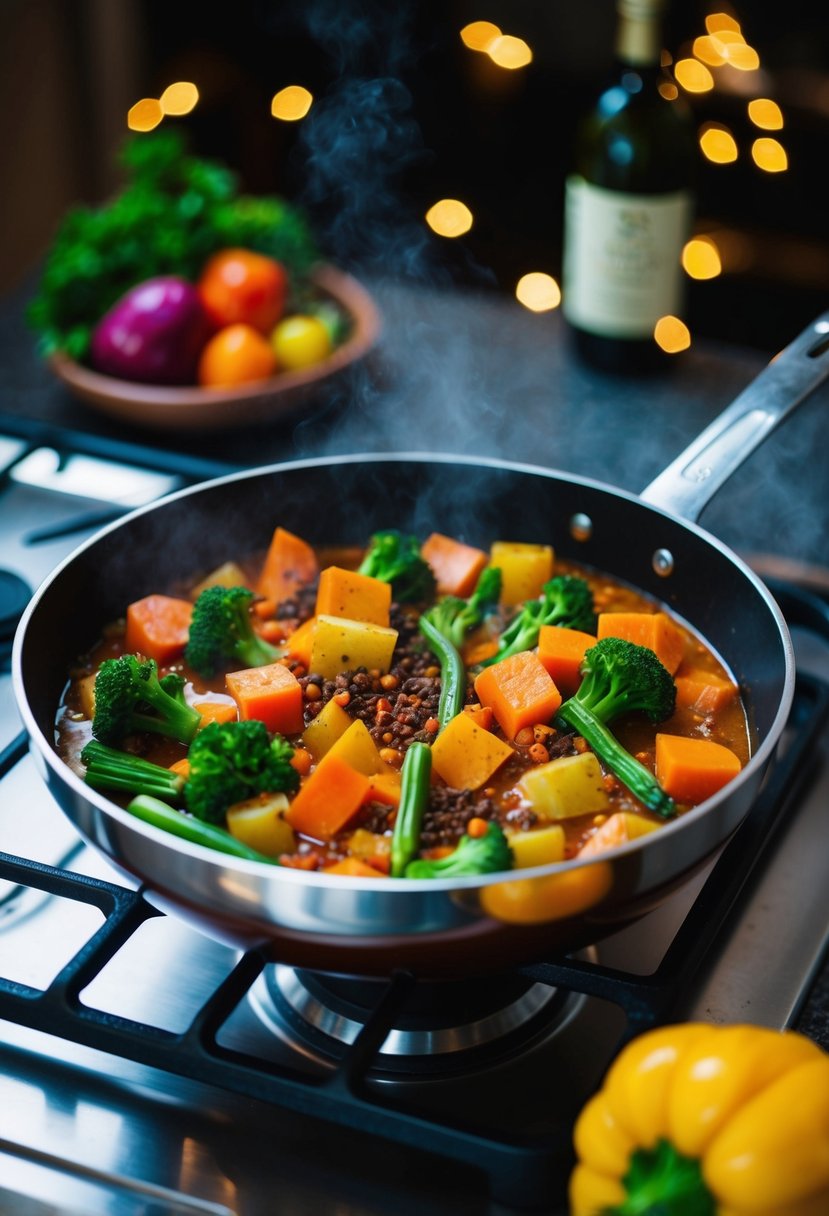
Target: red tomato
(239, 285)
(235, 354)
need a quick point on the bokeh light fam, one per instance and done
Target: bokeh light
(510, 52)
(672, 335)
(291, 103)
(718, 144)
(765, 113)
(479, 35)
(769, 155)
(179, 98)
(538, 292)
(701, 258)
(145, 114)
(693, 76)
(449, 217)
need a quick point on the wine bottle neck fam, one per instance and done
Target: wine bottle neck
(639, 32)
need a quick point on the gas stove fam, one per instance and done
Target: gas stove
(147, 1069)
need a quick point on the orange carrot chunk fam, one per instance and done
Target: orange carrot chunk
(519, 690)
(456, 566)
(158, 627)
(355, 868)
(327, 799)
(561, 651)
(704, 691)
(691, 770)
(655, 630)
(301, 641)
(215, 711)
(290, 562)
(271, 693)
(358, 597)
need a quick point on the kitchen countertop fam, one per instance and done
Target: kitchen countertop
(476, 373)
(473, 373)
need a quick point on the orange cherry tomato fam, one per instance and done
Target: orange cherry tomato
(240, 285)
(234, 355)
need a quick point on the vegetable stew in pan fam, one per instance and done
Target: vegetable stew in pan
(416, 708)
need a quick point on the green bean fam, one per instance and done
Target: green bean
(161, 815)
(414, 795)
(452, 672)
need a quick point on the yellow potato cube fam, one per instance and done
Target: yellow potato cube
(86, 695)
(322, 732)
(525, 568)
(260, 824)
(537, 848)
(465, 755)
(571, 785)
(341, 644)
(229, 574)
(618, 829)
(357, 748)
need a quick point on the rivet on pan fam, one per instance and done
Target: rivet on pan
(663, 562)
(581, 526)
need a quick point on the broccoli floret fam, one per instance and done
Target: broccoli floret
(455, 617)
(233, 761)
(129, 697)
(474, 855)
(618, 677)
(221, 629)
(110, 769)
(394, 557)
(565, 600)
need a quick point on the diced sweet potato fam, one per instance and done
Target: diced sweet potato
(519, 691)
(271, 693)
(158, 627)
(358, 597)
(290, 563)
(465, 755)
(561, 651)
(216, 711)
(525, 568)
(655, 630)
(456, 566)
(355, 868)
(327, 799)
(356, 746)
(616, 830)
(301, 642)
(703, 691)
(691, 770)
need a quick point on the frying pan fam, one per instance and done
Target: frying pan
(445, 927)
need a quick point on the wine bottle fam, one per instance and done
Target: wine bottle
(628, 204)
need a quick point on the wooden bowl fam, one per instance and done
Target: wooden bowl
(180, 408)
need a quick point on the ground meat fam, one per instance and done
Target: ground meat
(448, 813)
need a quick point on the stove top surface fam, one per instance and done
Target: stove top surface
(131, 1081)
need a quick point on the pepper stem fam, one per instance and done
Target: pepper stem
(661, 1182)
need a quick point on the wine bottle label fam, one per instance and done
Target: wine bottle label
(621, 269)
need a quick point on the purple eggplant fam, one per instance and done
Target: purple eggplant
(153, 334)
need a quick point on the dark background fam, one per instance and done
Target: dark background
(405, 114)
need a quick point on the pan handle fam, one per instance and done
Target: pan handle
(690, 481)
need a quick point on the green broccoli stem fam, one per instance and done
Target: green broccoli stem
(175, 719)
(663, 1180)
(452, 672)
(415, 777)
(639, 780)
(160, 815)
(110, 769)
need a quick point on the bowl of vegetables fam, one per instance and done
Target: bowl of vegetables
(182, 303)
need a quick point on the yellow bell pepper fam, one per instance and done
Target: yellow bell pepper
(700, 1120)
